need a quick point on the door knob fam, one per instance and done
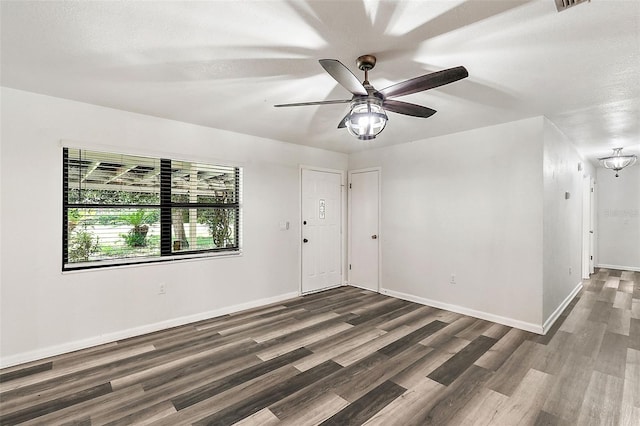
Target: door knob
(374, 237)
(305, 240)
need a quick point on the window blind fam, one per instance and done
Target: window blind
(120, 208)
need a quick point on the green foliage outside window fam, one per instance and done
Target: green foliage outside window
(220, 223)
(82, 245)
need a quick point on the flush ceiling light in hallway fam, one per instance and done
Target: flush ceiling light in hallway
(617, 161)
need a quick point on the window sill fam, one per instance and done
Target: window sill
(136, 263)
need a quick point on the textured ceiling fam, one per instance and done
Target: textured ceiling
(224, 64)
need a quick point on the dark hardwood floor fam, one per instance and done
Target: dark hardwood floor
(348, 357)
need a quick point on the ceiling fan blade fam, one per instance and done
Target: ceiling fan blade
(425, 82)
(343, 76)
(339, 101)
(343, 122)
(407, 109)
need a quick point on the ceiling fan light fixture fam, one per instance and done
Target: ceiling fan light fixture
(366, 119)
(617, 161)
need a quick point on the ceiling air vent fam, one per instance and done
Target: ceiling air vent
(566, 4)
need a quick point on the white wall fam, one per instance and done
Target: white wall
(486, 205)
(470, 204)
(618, 206)
(562, 262)
(44, 311)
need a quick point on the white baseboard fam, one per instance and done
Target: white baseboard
(364, 288)
(619, 268)
(556, 314)
(320, 289)
(50, 351)
(527, 326)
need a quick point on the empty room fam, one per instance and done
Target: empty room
(289, 212)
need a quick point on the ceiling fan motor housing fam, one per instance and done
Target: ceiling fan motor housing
(366, 62)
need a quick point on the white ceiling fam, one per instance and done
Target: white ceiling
(224, 64)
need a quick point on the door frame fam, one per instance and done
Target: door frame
(349, 248)
(342, 222)
(586, 226)
(594, 224)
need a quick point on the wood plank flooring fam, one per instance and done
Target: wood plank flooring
(349, 357)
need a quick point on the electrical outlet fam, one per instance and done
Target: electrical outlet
(453, 279)
(162, 289)
(570, 270)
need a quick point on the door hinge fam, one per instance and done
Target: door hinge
(349, 186)
(590, 257)
(349, 266)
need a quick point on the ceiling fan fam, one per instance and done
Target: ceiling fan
(367, 117)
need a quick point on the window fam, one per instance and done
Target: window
(120, 209)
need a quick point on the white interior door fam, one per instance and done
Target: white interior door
(364, 240)
(321, 231)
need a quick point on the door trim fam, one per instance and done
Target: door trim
(343, 222)
(593, 242)
(586, 226)
(380, 236)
